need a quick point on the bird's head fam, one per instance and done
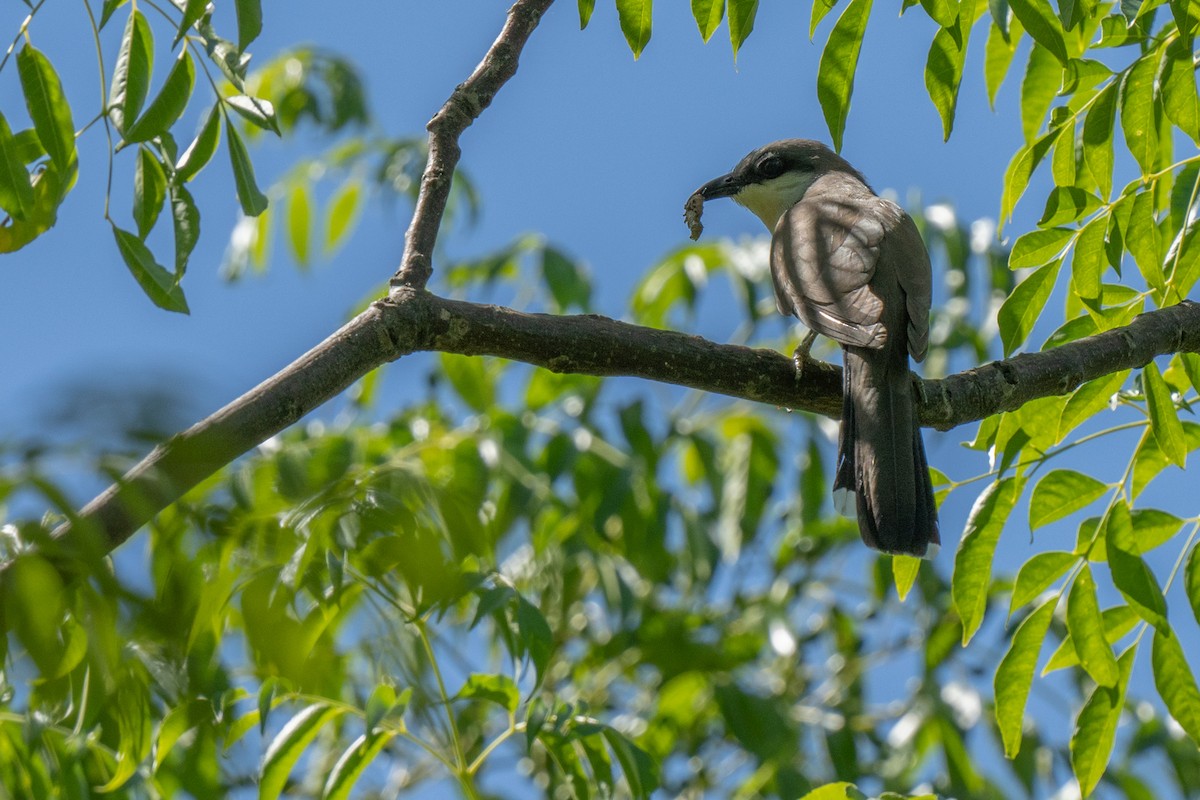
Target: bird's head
(773, 178)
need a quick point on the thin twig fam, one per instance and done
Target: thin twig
(466, 103)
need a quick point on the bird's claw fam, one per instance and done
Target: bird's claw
(801, 357)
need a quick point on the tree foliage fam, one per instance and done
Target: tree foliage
(536, 581)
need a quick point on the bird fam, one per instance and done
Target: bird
(851, 266)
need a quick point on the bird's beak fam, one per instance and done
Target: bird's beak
(724, 186)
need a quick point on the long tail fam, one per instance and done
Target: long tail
(881, 457)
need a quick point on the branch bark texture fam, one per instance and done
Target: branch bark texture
(413, 320)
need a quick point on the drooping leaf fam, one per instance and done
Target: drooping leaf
(1042, 24)
(49, 110)
(149, 191)
(944, 64)
(1164, 420)
(1176, 683)
(131, 75)
(1137, 113)
(1086, 627)
(1043, 77)
(186, 222)
(635, 18)
(159, 285)
(299, 221)
(193, 10)
(16, 190)
(1087, 261)
(998, 56)
(904, 572)
(1067, 204)
(343, 211)
(168, 104)
(741, 22)
(350, 765)
(973, 561)
(1014, 675)
(202, 148)
(253, 201)
(586, 7)
(1020, 170)
(708, 15)
(1132, 577)
(820, 9)
(839, 61)
(1098, 138)
(249, 19)
(1118, 621)
(1096, 727)
(255, 110)
(1178, 83)
(1191, 580)
(1023, 307)
(498, 689)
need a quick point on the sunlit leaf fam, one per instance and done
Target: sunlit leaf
(286, 748)
(299, 221)
(350, 765)
(131, 75)
(498, 689)
(149, 191)
(635, 18)
(1042, 24)
(973, 561)
(1036, 575)
(741, 22)
(253, 201)
(1118, 621)
(1039, 247)
(1043, 77)
(1024, 306)
(1096, 727)
(708, 15)
(160, 286)
(586, 7)
(1137, 113)
(1176, 683)
(49, 109)
(1164, 420)
(1014, 675)
(1061, 493)
(1098, 138)
(343, 211)
(168, 104)
(16, 190)
(1086, 627)
(1132, 577)
(202, 148)
(254, 110)
(904, 572)
(839, 60)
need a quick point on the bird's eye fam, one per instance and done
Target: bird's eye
(770, 167)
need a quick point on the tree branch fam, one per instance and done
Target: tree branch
(414, 320)
(466, 103)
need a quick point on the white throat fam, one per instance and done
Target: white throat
(769, 200)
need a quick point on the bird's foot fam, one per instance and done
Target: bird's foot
(801, 357)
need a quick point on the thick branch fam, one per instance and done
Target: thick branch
(414, 320)
(466, 103)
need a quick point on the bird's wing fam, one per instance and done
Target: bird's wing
(909, 261)
(824, 254)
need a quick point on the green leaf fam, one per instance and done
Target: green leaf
(634, 16)
(1039, 247)
(288, 745)
(131, 76)
(1086, 627)
(252, 200)
(149, 191)
(168, 104)
(535, 635)
(1143, 240)
(1152, 528)
(186, 222)
(820, 9)
(16, 192)
(1042, 24)
(193, 10)
(1191, 580)
(160, 286)
(1067, 204)
(1043, 77)
(1178, 84)
(944, 64)
(1137, 113)
(34, 607)
(839, 60)
(586, 7)
(1096, 728)
(1020, 170)
(943, 12)
(379, 705)
(904, 573)
(1130, 574)
(1014, 675)
(343, 211)
(352, 762)
(1098, 138)
(471, 380)
(836, 791)
(47, 193)
(1149, 459)
(1175, 682)
(249, 19)
(1118, 621)
(498, 689)
(741, 22)
(973, 561)
(299, 220)
(1023, 307)
(254, 110)
(1087, 261)
(998, 56)
(708, 15)
(202, 148)
(1037, 574)
(1089, 399)
(49, 110)
(110, 6)
(1061, 493)
(567, 280)
(1164, 420)
(641, 773)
